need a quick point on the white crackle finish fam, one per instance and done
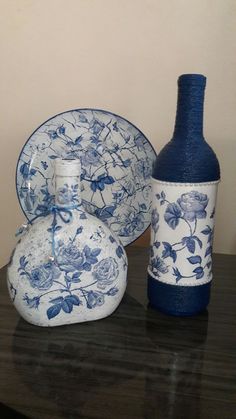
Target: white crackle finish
(182, 232)
(82, 277)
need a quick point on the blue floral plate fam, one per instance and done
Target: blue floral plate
(116, 160)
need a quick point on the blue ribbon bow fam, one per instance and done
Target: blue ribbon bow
(65, 214)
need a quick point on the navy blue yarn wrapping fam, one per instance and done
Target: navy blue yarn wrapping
(178, 300)
(187, 157)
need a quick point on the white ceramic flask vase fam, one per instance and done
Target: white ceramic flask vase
(68, 267)
(184, 187)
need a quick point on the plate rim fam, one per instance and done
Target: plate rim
(69, 111)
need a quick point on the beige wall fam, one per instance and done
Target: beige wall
(123, 56)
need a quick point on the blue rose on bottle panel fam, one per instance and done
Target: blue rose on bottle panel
(42, 277)
(70, 259)
(105, 272)
(193, 205)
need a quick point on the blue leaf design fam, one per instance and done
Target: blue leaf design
(156, 244)
(87, 266)
(56, 300)
(190, 243)
(163, 195)
(101, 184)
(119, 251)
(112, 240)
(158, 196)
(73, 299)
(76, 276)
(200, 275)
(105, 213)
(95, 252)
(67, 306)
(172, 215)
(78, 140)
(168, 251)
(79, 230)
(208, 251)
(93, 185)
(206, 231)
(23, 262)
(53, 157)
(112, 291)
(198, 270)
(208, 264)
(87, 250)
(53, 311)
(194, 260)
(173, 255)
(177, 274)
(197, 240)
(167, 247)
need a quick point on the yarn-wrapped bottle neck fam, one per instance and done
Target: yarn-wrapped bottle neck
(67, 182)
(189, 115)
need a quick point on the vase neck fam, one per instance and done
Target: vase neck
(189, 115)
(67, 183)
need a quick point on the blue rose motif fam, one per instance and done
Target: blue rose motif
(70, 259)
(105, 272)
(158, 266)
(94, 298)
(193, 205)
(155, 220)
(42, 277)
(64, 195)
(90, 157)
(172, 215)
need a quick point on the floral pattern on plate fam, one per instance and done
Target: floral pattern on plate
(116, 160)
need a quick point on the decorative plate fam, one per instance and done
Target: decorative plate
(116, 160)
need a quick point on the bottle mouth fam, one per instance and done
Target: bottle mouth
(67, 167)
(192, 79)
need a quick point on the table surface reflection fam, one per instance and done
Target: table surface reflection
(137, 363)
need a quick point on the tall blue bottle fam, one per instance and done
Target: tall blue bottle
(184, 185)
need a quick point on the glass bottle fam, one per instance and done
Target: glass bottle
(68, 267)
(184, 186)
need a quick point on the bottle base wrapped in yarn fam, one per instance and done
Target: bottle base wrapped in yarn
(178, 300)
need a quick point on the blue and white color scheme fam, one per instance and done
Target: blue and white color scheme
(67, 267)
(116, 160)
(182, 232)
